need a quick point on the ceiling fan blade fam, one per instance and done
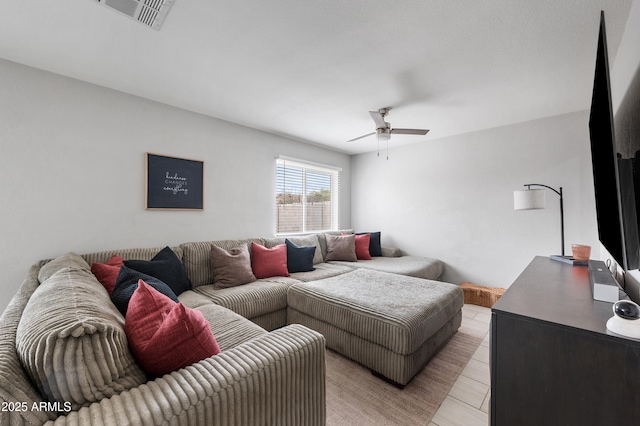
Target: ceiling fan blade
(410, 131)
(378, 118)
(362, 137)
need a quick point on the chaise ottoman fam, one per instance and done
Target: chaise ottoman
(392, 324)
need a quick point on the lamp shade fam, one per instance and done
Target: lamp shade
(529, 199)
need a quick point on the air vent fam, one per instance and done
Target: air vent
(148, 12)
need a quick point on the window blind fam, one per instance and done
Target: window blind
(307, 197)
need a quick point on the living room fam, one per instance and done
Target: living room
(74, 159)
(75, 152)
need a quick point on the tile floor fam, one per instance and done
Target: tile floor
(468, 401)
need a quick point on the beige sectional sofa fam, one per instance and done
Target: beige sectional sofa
(64, 358)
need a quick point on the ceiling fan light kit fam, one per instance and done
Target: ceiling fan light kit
(384, 130)
(383, 135)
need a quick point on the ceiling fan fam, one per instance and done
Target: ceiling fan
(384, 130)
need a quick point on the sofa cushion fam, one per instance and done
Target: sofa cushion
(323, 270)
(128, 254)
(253, 299)
(197, 258)
(107, 273)
(164, 335)
(413, 266)
(269, 262)
(166, 267)
(341, 247)
(127, 284)
(71, 340)
(299, 258)
(231, 268)
(230, 328)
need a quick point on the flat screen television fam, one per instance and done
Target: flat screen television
(615, 174)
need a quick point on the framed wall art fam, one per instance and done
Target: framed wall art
(174, 183)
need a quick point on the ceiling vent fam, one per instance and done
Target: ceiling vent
(149, 12)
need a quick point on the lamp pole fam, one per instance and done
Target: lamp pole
(559, 192)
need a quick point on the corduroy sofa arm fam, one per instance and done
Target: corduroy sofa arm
(391, 252)
(275, 379)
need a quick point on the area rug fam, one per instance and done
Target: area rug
(356, 397)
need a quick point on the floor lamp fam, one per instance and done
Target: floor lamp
(530, 199)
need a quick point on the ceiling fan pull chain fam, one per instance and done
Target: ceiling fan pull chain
(387, 149)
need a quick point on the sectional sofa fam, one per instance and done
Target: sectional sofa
(65, 357)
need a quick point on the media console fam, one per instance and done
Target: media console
(553, 361)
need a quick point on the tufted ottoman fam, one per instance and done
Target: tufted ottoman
(392, 324)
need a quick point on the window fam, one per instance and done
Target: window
(306, 197)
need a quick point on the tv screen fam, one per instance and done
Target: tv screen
(614, 170)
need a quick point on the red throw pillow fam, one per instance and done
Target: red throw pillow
(165, 336)
(362, 247)
(271, 262)
(107, 273)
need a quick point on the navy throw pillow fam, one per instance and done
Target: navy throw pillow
(166, 267)
(127, 283)
(375, 247)
(299, 258)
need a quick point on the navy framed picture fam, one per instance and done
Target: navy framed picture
(174, 183)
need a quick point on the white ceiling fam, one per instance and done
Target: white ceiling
(310, 70)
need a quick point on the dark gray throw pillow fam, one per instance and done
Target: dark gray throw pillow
(166, 267)
(299, 258)
(127, 283)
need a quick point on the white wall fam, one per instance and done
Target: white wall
(72, 171)
(452, 198)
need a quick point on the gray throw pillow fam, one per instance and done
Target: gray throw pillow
(231, 268)
(341, 247)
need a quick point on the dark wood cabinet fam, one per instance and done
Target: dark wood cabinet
(553, 361)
